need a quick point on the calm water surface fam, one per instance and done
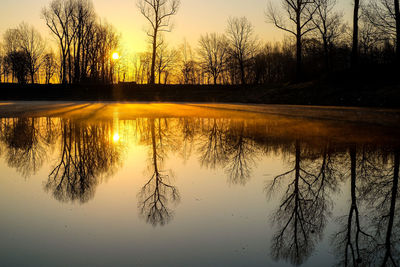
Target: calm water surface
(102, 184)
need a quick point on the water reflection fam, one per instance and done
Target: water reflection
(223, 144)
(25, 143)
(157, 192)
(371, 236)
(87, 153)
(306, 204)
(322, 158)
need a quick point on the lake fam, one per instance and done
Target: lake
(151, 184)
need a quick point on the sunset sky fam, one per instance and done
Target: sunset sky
(195, 17)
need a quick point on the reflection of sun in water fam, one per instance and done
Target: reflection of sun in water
(116, 137)
(115, 56)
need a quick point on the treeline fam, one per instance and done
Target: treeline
(320, 41)
(85, 47)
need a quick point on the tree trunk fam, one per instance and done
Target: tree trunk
(242, 72)
(159, 75)
(153, 59)
(326, 55)
(354, 53)
(397, 15)
(32, 76)
(64, 69)
(388, 243)
(299, 70)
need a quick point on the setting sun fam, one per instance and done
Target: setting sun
(115, 56)
(116, 137)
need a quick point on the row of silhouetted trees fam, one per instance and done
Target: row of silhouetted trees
(319, 41)
(85, 46)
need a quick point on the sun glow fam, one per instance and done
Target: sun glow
(116, 137)
(115, 56)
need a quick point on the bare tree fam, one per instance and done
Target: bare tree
(240, 35)
(33, 45)
(188, 64)
(384, 16)
(86, 155)
(300, 14)
(83, 23)
(59, 17)
(158, 13)
(212, 50)
(354, 52)
(302, 215)
(10, 46)
(397, 16)
(19, 64)
(329, 26)
(166, 59)
(49, 65)
(156, 195)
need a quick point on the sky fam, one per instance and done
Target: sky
(195, 17)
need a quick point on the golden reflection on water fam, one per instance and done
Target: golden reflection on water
(86, 144)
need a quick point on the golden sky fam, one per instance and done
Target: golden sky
(194, 18)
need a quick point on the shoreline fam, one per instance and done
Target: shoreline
(302, 94)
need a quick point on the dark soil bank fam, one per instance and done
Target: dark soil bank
(311, 93)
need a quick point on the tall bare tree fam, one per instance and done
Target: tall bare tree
(354, 52)
(384, 15)
(240, 34)
(212, 51)
(329, 26)
(33, 45)
(59, 17)
(158, 13)
(397, 16)
(188, 64)
(166, 59)
(49, 66)
(10, 46)
(83, 23)
(300, 14)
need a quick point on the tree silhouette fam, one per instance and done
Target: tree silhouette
(158, 13)
(354, 51)
(352, 239)
(26, 145)
(87, 154)
(300, 13)
(329, 26)
(381, 191)
(302, 215)
(213, 49)
(240, 35)
(33, 45)
(157, 192)
(241, 154)
(212, 147)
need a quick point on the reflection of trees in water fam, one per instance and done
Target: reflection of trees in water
(371, 238)
(211, 147)
(353, 238)
(156, 194)
(87, 153)
(369, 232)
(26, 141)
(241, 152)
(188, 129)
(305, 206)
(224, 143)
